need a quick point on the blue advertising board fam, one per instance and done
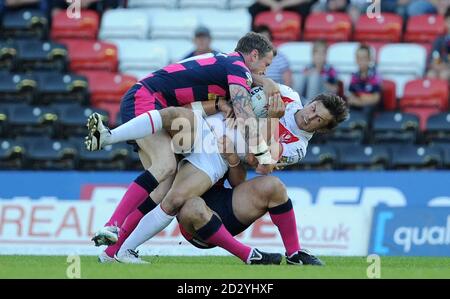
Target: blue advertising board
(410, 231)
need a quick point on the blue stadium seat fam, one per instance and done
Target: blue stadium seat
(395, 127)
(4, 113)
(72, 119)
(353, 129)
(11, 154)
(41, 55)
(364, 157)
(8, 54)
(438, 128)
(25, 23)
(322, 157)
(17, 88)
(112, 157)
(444, 147)
(56, 87)
(46, 153)
(416, 157)
(31, 121)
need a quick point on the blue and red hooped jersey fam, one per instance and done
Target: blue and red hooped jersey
(198, 78)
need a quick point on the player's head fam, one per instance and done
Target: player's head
(319, 52)
(322, 114)
(257, 50)
(363, 57)
(202, 39)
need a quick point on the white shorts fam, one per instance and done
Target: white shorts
(205, 152)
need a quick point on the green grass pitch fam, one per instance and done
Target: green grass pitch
(221, 267)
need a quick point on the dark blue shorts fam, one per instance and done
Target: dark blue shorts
(220, 200)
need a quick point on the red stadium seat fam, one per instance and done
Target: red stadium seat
(85, 27)
(424, 28)
(425, 97)
(389, 98)
(106, 86)
(285, 25)
(91, 55)
(328, 26)
(387, 28)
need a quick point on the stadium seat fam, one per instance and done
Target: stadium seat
(387, 28)
(284, 25)
(358, 157)
(17, 88)
(218, 22)
(328, 26)
(425, 97)
(236, 4)
(388, 95)
(401, 63)
(24, 23)
(164, 27)
(8, 55)
(56, 87)
(219, 4)
(31, 120)
(225, 46)
(112, 157)
(106, 86)
(152, 3)
(141, 56)
(91, 55)
(45, 153)
(72, 119)
(11, 154)
(39, 55)
(438, 128)
(299, 55)
(351, 130)
(4, 113)
(444, 147)
(179, 48)
(85, 27)
(395, 127)
(320, 156)
(424, 28)
(125, 24)
(416, 157)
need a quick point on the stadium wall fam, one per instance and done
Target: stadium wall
(56, 213)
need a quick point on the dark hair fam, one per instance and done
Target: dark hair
(337, 107)
(255, 41)
(264, 28)
(365, 47)
(447, 13)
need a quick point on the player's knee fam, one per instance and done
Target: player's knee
(194, 209)
(175, 200)
(274, 189)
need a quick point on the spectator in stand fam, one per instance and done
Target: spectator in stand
(98, 5)
(319, 76)
(351, 7)
(202, 42)
(302, 7)
(365, 85)
(439, 62)
(279, 70)
(408, 8)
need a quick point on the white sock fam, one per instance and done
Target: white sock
(141, 126)
(151, 224)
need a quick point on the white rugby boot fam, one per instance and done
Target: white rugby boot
(108, 235)
(129, 256)
(98, 132)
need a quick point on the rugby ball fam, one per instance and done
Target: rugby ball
(259, 102)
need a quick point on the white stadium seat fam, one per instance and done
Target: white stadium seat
(342, 56)
(177, 48)
(299, 54)
(401, 63)
(173, 23)
(220, 4)
(225, 24)
(225, 46)
(141, 56)
(124, 23)
(234, 4)
(152, 3)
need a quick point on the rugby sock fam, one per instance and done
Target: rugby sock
(215, 233)
(136, 193)
(130, 224)
(150, 225)
(141, 126)
(283, 217)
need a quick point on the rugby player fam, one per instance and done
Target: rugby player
(199, 78)
(296, 128)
